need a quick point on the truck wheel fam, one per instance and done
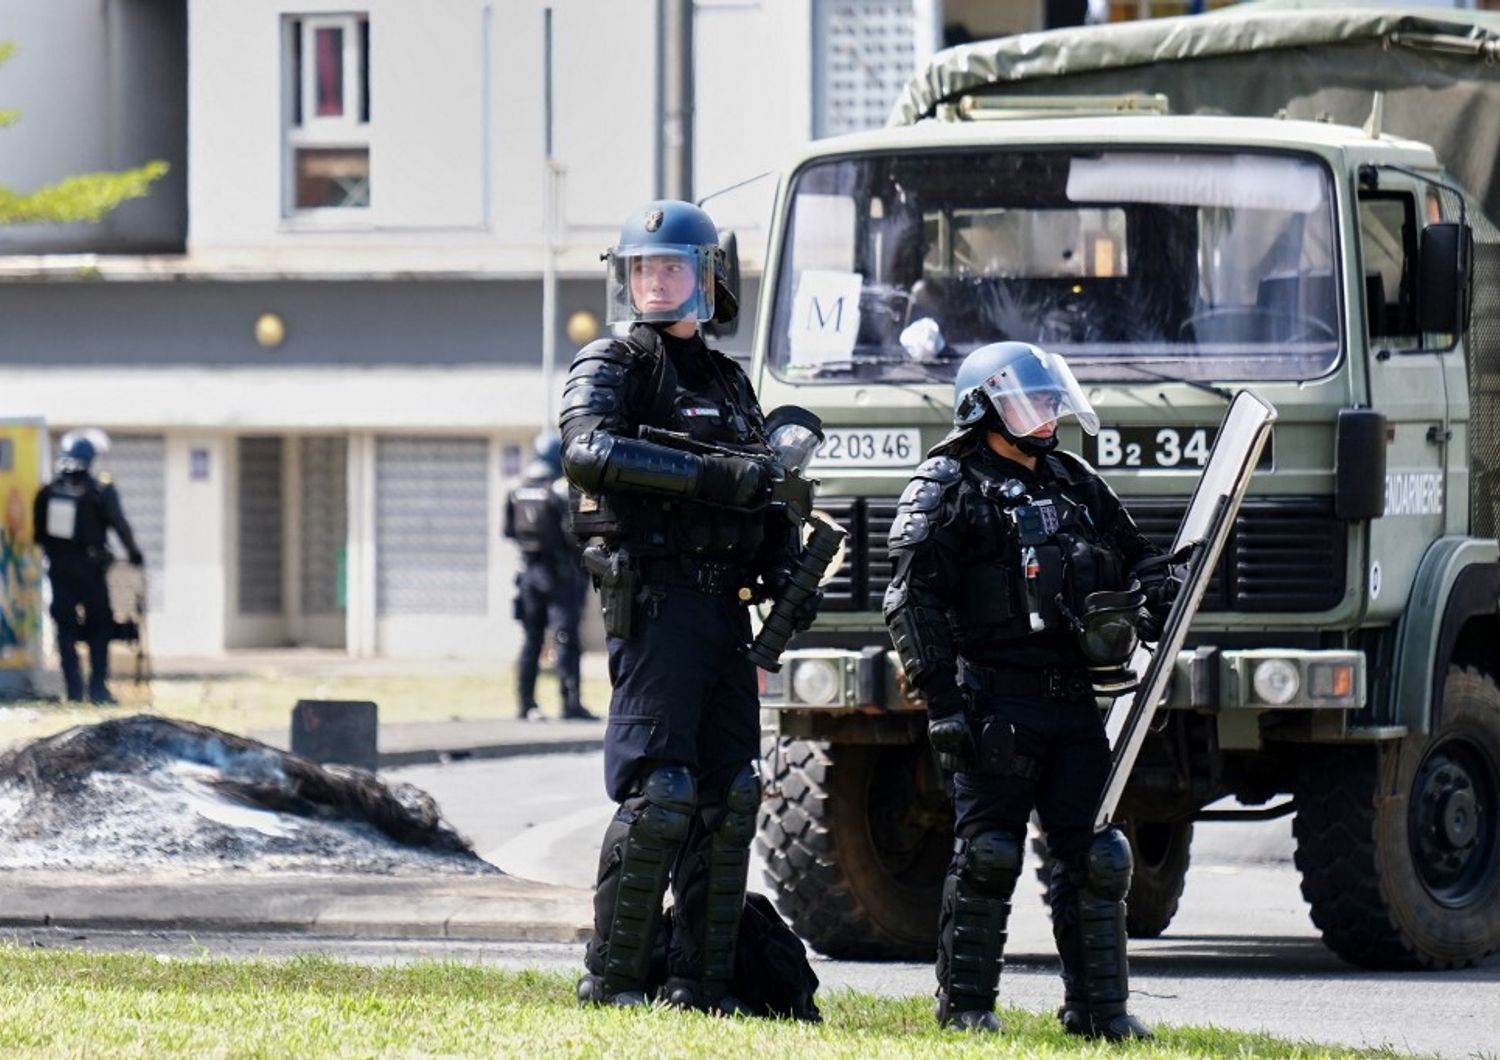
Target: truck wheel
(1160, 850)
(1399, 846)
(856, 841)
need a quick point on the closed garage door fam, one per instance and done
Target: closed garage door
(432, 526)
(325, 522)
(260, 526)
(137, 463)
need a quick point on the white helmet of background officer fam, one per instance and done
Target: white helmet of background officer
(668, 267)
(1020, 391)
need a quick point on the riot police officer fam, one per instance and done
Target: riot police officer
(666, 449)
(551, 585)
(72, 514)
(999, 544)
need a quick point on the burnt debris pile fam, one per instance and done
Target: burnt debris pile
(149, 793)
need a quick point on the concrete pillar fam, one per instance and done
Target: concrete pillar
(360, 587)
(200, 558)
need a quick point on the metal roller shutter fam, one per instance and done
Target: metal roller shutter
(138, 465)
(260, 513)
(325, 523)
(432, 526)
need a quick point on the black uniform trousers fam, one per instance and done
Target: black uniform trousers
(1063, 757)
(78, 585)
(684, 694)
(549, 596)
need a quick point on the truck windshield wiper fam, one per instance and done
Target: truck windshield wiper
(1196, 384)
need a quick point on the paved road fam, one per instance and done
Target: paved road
(1242, 951)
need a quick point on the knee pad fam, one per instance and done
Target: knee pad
(1108, 865)
(990, 862)
(736, 821)
(671, 796)
(743, 796)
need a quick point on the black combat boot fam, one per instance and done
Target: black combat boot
(972, 930)
(708, 886)
(1088, 922)
(640, 845)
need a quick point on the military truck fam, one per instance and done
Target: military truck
(1296, 201)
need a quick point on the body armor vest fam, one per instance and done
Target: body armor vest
(538, 525)
(73, 516)
(714, 406)
(1033, 556)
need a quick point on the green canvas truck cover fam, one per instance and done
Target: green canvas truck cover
(1439, 71)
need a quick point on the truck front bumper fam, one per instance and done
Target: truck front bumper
(1204, 679)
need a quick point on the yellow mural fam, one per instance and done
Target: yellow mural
(21, 472)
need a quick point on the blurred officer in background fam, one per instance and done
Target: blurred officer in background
(551, 585)
(667, 450)
(72, 515)
(1019, 579)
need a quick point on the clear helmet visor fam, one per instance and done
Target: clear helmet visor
(659, 283)
(1032, 393)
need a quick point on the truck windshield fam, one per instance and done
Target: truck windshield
(1190, 265)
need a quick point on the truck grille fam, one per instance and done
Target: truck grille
(1285, 553)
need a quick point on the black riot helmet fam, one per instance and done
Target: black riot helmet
(667, 267)
(1107, 633)
(1017, 389)
(546, 448)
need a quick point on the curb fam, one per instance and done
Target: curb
(431, 755)
(485, 909)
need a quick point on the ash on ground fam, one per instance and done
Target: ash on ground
(148, 793)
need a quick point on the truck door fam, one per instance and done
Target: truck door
(1407, 386)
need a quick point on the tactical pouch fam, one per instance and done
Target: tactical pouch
(614, 574)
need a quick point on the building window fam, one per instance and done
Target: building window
(327, 89)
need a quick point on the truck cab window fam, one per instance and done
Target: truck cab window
(1388, 244)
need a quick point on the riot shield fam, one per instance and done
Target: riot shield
(1205, 527)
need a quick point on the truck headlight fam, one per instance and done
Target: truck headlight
(1276, 681)
(816, 681)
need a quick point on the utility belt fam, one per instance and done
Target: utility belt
(624, 579)
(1057, 683)
(713, 578)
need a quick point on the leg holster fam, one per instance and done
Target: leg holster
(710, 893)
(973, 920)
(1088, 922)
(640, 846)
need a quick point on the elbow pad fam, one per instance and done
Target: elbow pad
(601, 462)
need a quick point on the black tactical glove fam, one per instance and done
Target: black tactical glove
(1161, 579)
(136, 558)
(952, 742)
(1149, 623)
(733, 481)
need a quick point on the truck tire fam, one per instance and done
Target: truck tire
(856, 840)
(1399, 846)
(1161, 852)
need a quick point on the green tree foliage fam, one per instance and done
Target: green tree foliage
(87, 197)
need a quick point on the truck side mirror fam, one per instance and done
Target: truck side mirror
(1444, 276)
(730, 245)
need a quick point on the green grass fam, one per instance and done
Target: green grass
(69, 1003)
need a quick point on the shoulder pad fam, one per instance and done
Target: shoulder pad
(918, 509)
(596, 378)
(939, 469)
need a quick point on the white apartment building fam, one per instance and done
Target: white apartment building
(317, 344)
